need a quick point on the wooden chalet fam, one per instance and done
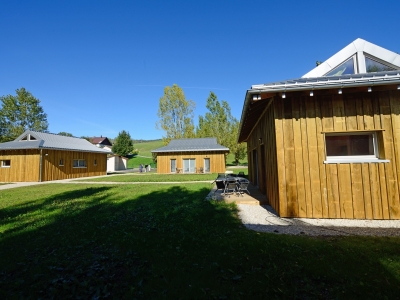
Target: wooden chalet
(201, 155)
(38, 156)
(327, 145)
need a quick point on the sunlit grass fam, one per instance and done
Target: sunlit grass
(153, 177)
(60, 241)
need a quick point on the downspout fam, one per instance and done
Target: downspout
(40, 166)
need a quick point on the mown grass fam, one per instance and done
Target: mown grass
(63, 241)
(153, 177)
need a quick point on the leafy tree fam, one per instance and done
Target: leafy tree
(123, 144)
(239, 150)
(19, 113)
(176, 114)
(220, 123)
(65, 133)
(154, 157)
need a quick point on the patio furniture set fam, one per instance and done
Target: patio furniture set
(232, 184)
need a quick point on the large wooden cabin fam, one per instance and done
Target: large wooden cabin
(37, 156)
(327, 145)
(201, 155)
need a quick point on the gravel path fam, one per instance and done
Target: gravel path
(264, 219)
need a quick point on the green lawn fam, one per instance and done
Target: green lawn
(65, 241)
(153, 177)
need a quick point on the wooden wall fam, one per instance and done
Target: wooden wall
(53, 171)
(310, 188)
(266, 156)
(217, 160)
(24, 165)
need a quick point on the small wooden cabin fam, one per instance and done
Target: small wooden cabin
(327, 145)
(201, 155)
(38, 156)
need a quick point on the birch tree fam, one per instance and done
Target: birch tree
(176, 114)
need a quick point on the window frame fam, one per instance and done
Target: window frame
(172, 162)
(209, 165)
(79, 166)
(377, 157)
(3, 165)
(193, 167)
(61, 162)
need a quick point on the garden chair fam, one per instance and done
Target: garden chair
(220, 185)
(242, 186)
(230, 186)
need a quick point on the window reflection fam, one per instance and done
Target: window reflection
(345, 145)
(374, 66)
(344, 69)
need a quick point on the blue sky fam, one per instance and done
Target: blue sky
(100, 67)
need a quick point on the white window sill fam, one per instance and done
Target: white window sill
(5, 166)
(355, 160)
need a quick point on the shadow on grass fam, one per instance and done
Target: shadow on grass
(167, 242)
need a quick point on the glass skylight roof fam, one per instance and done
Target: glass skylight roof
(344, 69)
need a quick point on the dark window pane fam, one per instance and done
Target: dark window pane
(344, 69)
(346, 145)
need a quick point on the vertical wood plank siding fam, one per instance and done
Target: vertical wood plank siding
(217, 160)
(53, 171)
(299, 184)
(265, 130)
(25, 165)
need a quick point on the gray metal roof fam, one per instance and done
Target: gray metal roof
(325, 82)
(192, 145)
(50, 141)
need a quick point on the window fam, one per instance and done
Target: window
(344, 69)
(61, 162)
(189, 165)
(79, 163)
(28, 137)
(342, 147)
(206, 165)
(95, 162)
(375, 66)
(6, 163)
(173, 165)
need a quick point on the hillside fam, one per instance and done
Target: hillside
(146, 147)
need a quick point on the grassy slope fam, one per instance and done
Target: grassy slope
(144, 150)
(164, 241)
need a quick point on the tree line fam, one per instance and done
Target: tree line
(176, 115)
